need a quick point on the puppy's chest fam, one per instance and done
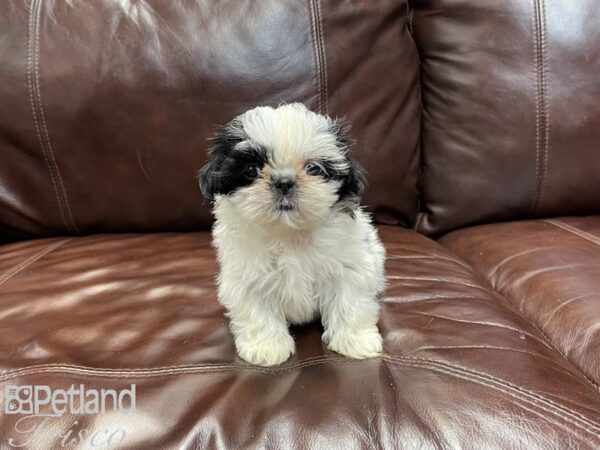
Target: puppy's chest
(296, 279)
(295, 270)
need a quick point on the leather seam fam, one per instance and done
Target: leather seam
(160, 371)
(573, 417)
(409, 24)
(546, 109)
(324, 81)
(316, 25)
(574, 230)
(8, 274)
(542, 131)
(35, 98)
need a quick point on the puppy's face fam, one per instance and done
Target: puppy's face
(284, 165)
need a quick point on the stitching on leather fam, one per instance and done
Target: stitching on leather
(315, 54)
(546, 110)
(35, 98)
(32, 99)
(160, 371)
(542, 132)
(8, 274)
(323, 60)
(537, 107)
(316, 26)
(324, 81)
(472, 374)
(567, 414)
(574, 230)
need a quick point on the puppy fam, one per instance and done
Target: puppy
(291, 238)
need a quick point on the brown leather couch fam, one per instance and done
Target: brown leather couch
(479, 125)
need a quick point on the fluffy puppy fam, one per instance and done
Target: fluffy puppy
(291, 238)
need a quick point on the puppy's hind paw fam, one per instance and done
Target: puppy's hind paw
(355, 344)
(266, 353)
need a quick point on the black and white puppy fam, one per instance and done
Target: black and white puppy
(292, 240)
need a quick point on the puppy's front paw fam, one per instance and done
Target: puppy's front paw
(266, 352)
(358, 344)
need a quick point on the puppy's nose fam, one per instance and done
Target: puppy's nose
(284, 185)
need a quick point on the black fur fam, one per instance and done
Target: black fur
(224, 171)
(354, 181)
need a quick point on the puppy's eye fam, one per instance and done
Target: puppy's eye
(314, 169)
(252, 171)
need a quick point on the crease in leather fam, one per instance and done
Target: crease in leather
(589, 237)
(488, 324)
(39, 117)
(539, 330)
(573, 417)
(561, 353)
(316, 24)
(423, 298)
(542, 115)
(14, 270)
(574, 230)
(493, 273)
(435, 279)
(477, 273)
(550, 316)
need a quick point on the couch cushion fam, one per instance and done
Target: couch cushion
(550, 272)
(107, 105)
(459, 369)
(511, 121)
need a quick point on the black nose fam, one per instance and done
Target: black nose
(284, 185)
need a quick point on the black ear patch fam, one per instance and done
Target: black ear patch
(212, 177)
(354, 181)
(224, 171)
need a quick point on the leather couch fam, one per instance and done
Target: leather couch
(479, 125)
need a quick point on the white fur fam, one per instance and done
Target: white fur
(286, 267)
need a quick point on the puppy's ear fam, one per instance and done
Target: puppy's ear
(207, 180)
(211, 175)
(355, 181)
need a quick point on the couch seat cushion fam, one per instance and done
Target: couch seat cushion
(459, 368)
(549, 270)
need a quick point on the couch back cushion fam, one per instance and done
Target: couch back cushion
(106, 106)
(511, 98)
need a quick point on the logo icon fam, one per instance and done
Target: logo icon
(18, 399)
